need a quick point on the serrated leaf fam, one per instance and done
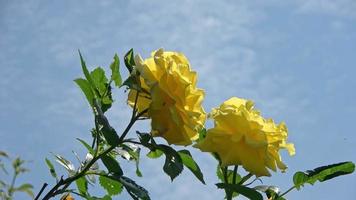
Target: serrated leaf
(115, 71)
(243, 190)
(113, 187)
(109, 133)
(323, 173)
(129, 60)
(112, 165)
(189, 162)
(51, 168)
(154, 153)
(86, 89)
(100, 81)
(173, 165)
(82, 185)
(102, 86)
(133, 187)
(86, 145)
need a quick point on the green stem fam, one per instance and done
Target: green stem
(11, 188)
(234, 175)
(245, 178)
(226, 180)
(66, 182)
(290, 189)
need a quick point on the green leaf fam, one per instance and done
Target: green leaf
(230, 175)
(245, 191)
(4, 154)
(100, 81)
(323, 173)
(130, 152)
(86, 145)
(189, 162)
(51, 168)
(109, 133)
(202, 134)
(134, 188)
(137, 159)
(113, 187)
(129, 60)
(65, 163)
(112, 165)
(86, 89)
(102, 86)
(173, 165)
(115, 71)
(27, 188)
(155, 153)
(86, 72)
(144, 138)
(82, 185)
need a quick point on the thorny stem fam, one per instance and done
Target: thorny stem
(42, 189)
(66, 182)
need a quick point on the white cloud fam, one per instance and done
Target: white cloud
(343, 8)
(218, 37)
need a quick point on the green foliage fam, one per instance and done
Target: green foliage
(173, 165)
(230, 175)
(96, 85)
(323, 173)
(134, 189)
(102, 87)
(272, 192)
(115, 71)
(7, 190)
(112, 165)
(131, 152)
(189, 162)
(86, 145)
(109, 147)
(112, 186)
(51, 168)
(129, 60)
(86, 73)
(104, 127)
(26, 188)
(202, 134)
(155, 153)
(65, 163)
(245, 191)
(82, 185)
(86, 89)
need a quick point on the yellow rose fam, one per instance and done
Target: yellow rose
(174, 101)
(241, 136)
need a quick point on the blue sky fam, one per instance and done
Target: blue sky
(295, 59)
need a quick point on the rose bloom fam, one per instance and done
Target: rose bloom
(241, 136)
(172, 98)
